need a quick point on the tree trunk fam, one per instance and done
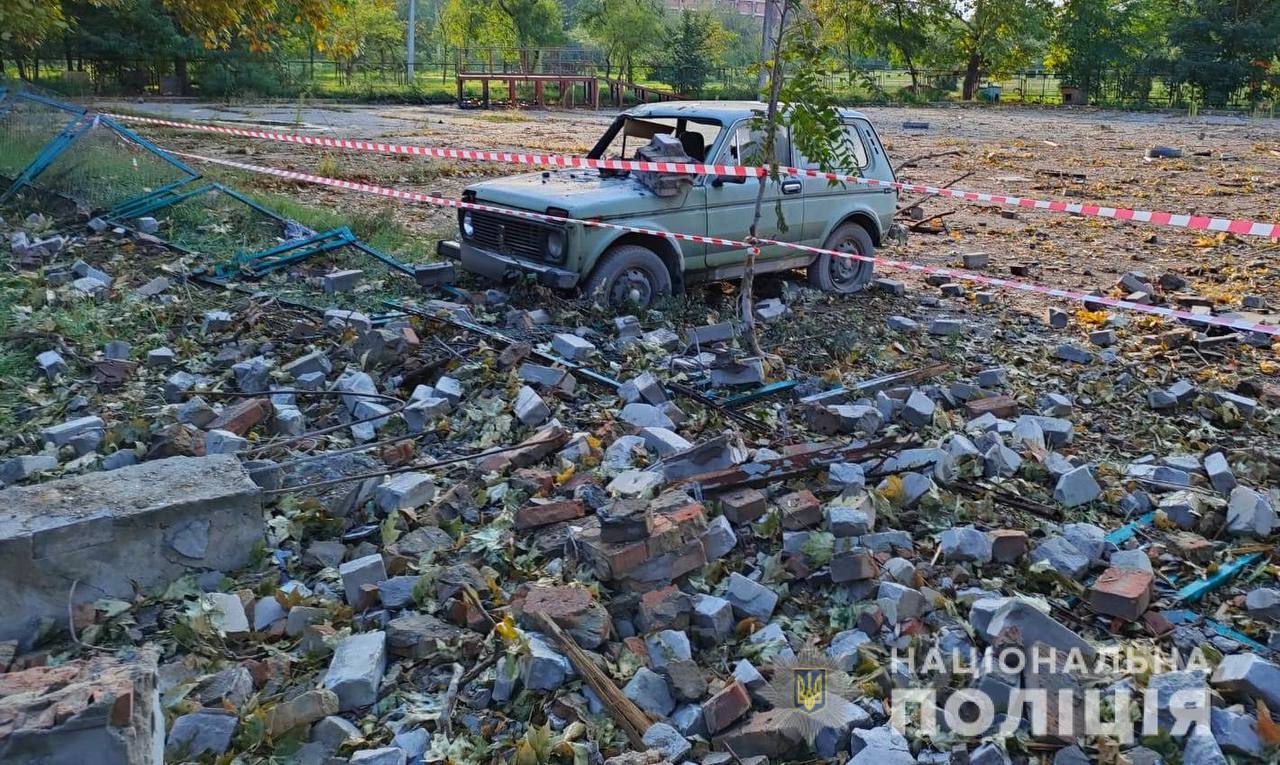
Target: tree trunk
(971, 76)
(774, 75)
(182, 75)
(772, 14)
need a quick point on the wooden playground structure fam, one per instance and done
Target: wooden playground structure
(575, 75)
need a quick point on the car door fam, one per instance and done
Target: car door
(731, 200)
(825, 203)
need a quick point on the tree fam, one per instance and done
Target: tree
(26, 24)
(536, 22)
(692, 46)
(1088, 35)
(1221, 46)
(898, 29)
(367, 26)
(622, 29)
(797, 102)
(996, 36)
(465, 22)
(217, 23)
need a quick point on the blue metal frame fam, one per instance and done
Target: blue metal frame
(264, 262)
(79, 111)
(167, 196)
(149, 146)
(69, 134)
(72, 131)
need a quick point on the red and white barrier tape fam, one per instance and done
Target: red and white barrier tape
(1237, 226)
(1171, 313)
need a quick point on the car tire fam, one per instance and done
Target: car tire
(628, 274)
(846, 276)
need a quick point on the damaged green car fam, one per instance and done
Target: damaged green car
(619, 268)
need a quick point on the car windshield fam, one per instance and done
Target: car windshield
(697, 136)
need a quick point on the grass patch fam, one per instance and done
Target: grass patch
(503, 117)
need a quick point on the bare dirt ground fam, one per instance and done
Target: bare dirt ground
(1230, 167)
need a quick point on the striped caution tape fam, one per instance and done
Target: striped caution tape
(1238, 324)
(1237, 226)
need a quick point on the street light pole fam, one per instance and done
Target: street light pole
(413, 29)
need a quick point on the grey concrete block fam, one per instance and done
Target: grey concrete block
(750, 598)
(138, 524)
(355, 672)
(357, 573)
(966, 544)
(208, 730)
(650, 692)
(572, 347)
(405, 492)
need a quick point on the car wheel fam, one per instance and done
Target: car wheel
(832, 273)
(628, 275)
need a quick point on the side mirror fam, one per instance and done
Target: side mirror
(720, 180)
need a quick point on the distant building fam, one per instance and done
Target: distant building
(754, 8)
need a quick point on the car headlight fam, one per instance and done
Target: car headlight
(468, 228)
(555, 244)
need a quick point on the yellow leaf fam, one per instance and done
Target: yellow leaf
(1092, 318)
(564, 477)
(892, 490)
(1268, 730)
(506, 629)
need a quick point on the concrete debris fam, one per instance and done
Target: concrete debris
(340, 525)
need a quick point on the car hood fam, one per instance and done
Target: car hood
(584, 193)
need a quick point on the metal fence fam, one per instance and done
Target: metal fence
(48, 147)
(230, 75)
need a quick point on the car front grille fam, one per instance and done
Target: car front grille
(508, 235)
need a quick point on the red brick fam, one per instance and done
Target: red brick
(241, 417)
(772, 734)
(1191, 546)
(1122, 592)
(574, 609)
(399, 453)
(723, 709)
(1000, 406)
(664, 609)
(743, 505)
(871, 619)
(532, 516)
(615, 560)
(800, 510)
(1008, 545)
(690, 515)
(534, 481)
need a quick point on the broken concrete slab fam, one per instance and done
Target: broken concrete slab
(105, 709)
(146, 524)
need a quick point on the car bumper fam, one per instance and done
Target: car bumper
(503, 268)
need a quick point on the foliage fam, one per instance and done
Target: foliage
(994, 37)
(464, 22)
(27, 23)
(365, 27)
(692, 45)
(536, 22)
(622, 29)
(1092, 36)
(1224, 45)
(1213, 51)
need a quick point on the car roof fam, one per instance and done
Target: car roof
(724, 111)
